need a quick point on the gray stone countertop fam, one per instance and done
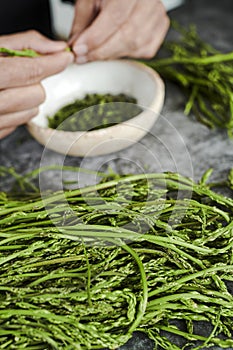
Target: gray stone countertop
(175, 143)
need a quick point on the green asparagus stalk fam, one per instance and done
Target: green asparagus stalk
(22, 53)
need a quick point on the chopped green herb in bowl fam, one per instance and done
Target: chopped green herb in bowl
(95, 111)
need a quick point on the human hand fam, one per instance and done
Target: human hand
(21, 91)
(108, 29)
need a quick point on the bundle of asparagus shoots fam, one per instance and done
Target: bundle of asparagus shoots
(204, 74)
(84, 268)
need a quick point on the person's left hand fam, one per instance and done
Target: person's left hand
(21, 91)
(108, 29)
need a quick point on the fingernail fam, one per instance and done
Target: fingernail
(81, 59)
(71, 58)
(80, 49)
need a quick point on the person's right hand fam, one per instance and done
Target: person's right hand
(21, 91)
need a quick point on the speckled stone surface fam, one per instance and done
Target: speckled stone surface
(176, 143)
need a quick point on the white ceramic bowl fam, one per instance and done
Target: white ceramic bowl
(118, 76)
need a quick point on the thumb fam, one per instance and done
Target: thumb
(32, 39)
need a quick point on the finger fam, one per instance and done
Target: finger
(24, 71)
(111, 17)
(21, 98)
(31, 40)
(12, 120)
(85, 12)
(116, 46)
(111, 49)
(5, 132)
